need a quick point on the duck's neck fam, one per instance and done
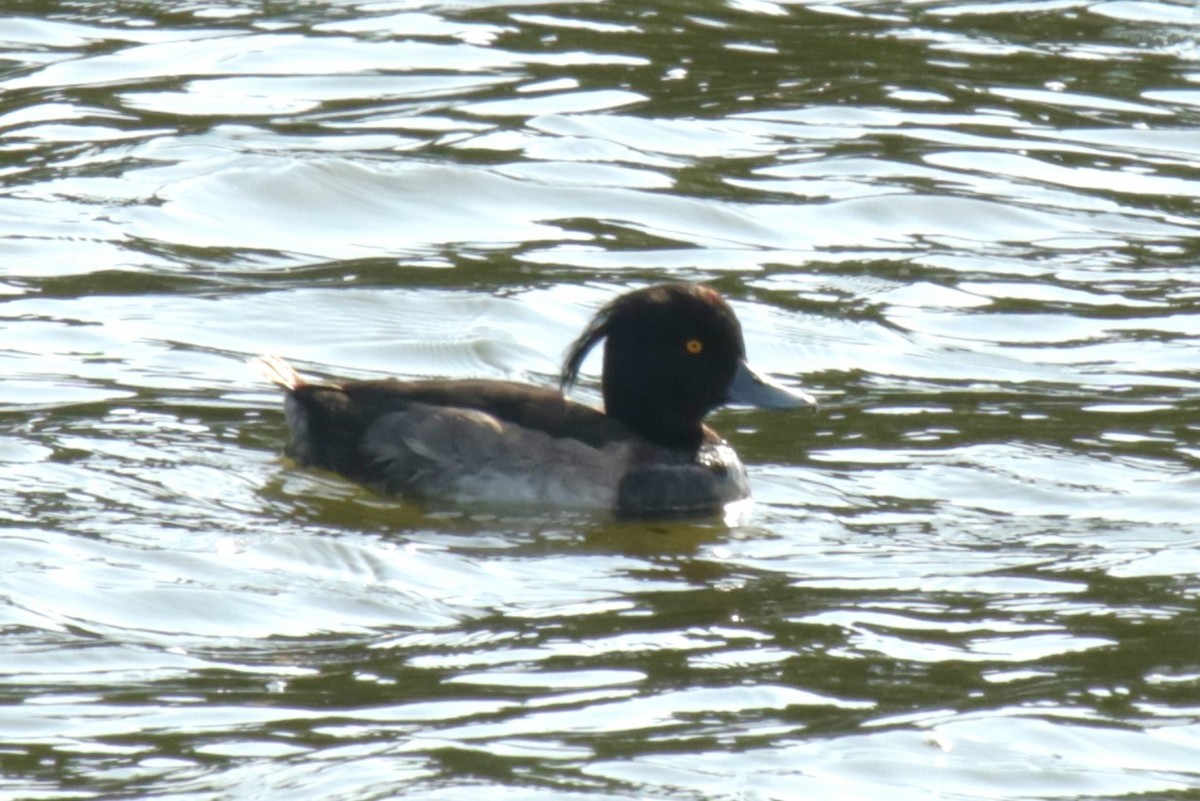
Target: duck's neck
(659, 425)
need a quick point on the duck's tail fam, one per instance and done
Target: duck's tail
(277, 371)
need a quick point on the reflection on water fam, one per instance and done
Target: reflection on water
(971, 227)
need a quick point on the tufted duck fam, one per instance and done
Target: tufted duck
(673, 353)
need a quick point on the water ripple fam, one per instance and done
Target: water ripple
(970, 228)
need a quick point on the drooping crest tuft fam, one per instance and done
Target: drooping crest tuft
(597, 329)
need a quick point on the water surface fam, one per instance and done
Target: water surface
(970, 227)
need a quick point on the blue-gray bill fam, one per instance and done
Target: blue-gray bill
(755, 389)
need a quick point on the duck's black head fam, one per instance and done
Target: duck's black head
(672, 354)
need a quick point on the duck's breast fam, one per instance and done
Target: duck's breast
(666, 481)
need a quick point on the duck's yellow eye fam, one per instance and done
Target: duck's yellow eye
(694, 346)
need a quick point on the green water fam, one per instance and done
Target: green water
(971, 228)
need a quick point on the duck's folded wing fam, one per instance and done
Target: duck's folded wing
(471, 455)
(484, 440)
